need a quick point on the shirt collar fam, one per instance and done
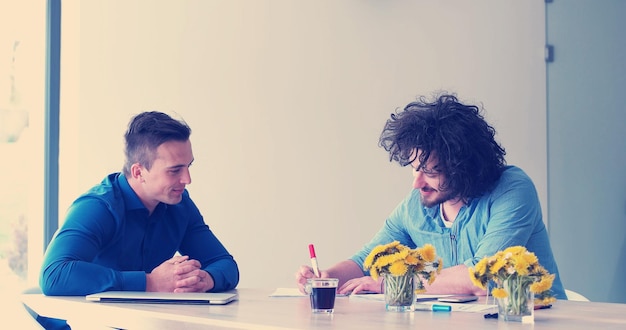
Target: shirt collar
(131, 200)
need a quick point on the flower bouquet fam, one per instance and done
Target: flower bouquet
(520, 282)
(401, 269)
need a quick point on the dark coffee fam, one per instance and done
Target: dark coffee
(323, 298)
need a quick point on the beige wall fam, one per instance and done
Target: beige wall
(286, 100)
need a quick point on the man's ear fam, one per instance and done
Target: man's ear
(136, 171)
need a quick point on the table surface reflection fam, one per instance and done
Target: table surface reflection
(255, 309)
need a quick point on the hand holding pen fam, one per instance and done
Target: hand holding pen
(308, 271)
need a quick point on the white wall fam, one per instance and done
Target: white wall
(287, 99)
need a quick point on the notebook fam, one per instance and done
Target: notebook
(140, 297)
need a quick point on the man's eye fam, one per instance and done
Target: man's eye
(431, 173)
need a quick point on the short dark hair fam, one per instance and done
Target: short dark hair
(458, 134)
(146, 132)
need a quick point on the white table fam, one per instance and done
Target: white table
(255, 309)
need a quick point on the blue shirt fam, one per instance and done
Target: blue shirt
(509, 215)
(109, 242)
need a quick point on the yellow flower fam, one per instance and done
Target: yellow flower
(428, 252)
(544, 284)
(530, 258)
(545, 301)
(481, 266)
(476, 279)
(499, 293)
(515, 250)
(397, 259)
(497, 265)
(378, 251)
(515, 266)
(521, 265)
(398, 268)
(412, 259)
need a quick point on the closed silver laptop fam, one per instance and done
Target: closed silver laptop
(140, 297)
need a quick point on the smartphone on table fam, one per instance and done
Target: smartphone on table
(458, 299)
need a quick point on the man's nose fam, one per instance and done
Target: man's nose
(418, 179)
(186, 177)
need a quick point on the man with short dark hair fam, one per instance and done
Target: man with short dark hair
(139, 230)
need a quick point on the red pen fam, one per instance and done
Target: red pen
(316, 269)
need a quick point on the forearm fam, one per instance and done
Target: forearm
(454, 280)
(69, 278)
(202, 245)
(67, 269)
(225, 274)
(344, 271)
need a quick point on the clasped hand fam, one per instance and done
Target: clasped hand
(179, 274)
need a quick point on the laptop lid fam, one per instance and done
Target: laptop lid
(140, 297)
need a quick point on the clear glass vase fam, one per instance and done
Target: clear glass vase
(399, 292)
(519, 304)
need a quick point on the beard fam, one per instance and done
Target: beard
(435, 199)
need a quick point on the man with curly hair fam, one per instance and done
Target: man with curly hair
(466, 201)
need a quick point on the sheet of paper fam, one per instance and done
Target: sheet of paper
(295, 292)
(287, 292)
(476, 308)
(421, 299)
(373, 296)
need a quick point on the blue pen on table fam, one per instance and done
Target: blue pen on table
(316, 269)
(432, 307)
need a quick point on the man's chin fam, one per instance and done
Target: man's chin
(430, 202)
(174, 200)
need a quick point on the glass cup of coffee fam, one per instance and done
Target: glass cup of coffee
(322, 292)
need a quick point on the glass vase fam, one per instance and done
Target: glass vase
(399, 292)
(519, 304)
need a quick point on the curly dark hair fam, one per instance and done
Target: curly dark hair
(146, 132)
(463, 142)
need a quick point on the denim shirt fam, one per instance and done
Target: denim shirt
(508, 215)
